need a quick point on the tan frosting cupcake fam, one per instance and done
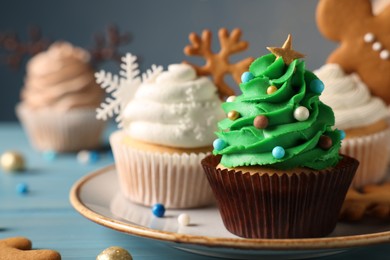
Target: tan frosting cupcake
(59, 99)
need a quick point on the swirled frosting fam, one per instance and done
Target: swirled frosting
(350, 99)
(61, 78)
(247, 145)
(177, 109)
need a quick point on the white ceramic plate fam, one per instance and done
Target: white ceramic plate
(97, 197)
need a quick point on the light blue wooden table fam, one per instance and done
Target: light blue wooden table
(46, 217)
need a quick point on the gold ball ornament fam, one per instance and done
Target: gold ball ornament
(12, 161)
(114, 253)
(233, 115)
(271, 89)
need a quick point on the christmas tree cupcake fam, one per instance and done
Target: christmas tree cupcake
(168, 119)
(276, 171)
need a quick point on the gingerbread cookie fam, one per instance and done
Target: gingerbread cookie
(373, 200)
(364, 40)
(217, 64)
(19, 248)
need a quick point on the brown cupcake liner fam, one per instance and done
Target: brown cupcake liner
(288, 205)
(146, 177)
(71, 131)
(373, 153)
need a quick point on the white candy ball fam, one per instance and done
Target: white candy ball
(376, 46)
(301, 113)
(184, 219)
(231, 99)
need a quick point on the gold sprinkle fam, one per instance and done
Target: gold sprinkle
(271, 89)
(233, 115)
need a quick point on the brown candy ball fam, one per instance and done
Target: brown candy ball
(325, 142)
(260, 122)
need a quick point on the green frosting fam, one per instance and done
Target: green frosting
(247, 145)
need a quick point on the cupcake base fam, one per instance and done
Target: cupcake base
(280, 205)
(147, 176)
(70, 131)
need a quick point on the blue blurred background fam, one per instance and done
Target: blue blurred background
(159, 30)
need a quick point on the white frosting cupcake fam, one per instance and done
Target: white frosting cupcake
(177, 109)
(350, 99)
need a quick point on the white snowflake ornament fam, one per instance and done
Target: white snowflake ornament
(123, 87)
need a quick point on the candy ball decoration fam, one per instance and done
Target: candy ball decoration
(342, 134)
(12, 161)
(301, 113)
(219, 144)
(271, 89)
(325, 142)
(278, 152)
(22, 188)
(246, 76)
(183, 219)
(317, 86)
(233, 115)
(231, 99)
(260, 122)
(49, 155)
(158, 210)
(114, 253)
(86, 157)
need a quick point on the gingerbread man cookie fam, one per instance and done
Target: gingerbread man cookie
(19, 248)
(364, 40)
(372, 200)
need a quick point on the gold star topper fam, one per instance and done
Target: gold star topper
(286, 52)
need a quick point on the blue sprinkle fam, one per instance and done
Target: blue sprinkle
(342, 134)
(93, 156)
(317, 86)
(22, 188)
(158, 210)
(49, 155)
(219, 144)
(246, 76)
(278, 152)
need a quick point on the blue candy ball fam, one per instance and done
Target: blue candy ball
(158, 210)
(317, 86)
(246, 76)
(342, 134)
(49, 155)
(278, 152)
(219, 144)
(22, 188)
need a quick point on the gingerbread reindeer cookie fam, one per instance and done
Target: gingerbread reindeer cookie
(19, 248)
(217, 64)
(364, 40)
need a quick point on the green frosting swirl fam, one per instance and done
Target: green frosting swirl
(247, 145)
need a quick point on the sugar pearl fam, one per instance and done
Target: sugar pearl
(12, 161)
(369, 37)
(158, 210)
(49, 155)
(114, 253)
(301, 113)
(22, 188)
(260, 122)
(278, 152)
(231, 99)
(219, 144)
(246, 76)
(271, 89)
(233, 115)
(183, 219)
(86, 157)
(325, 142)
(384, 54)
(376, 46)
(342, 134)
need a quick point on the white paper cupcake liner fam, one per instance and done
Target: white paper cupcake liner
(70, 131)
(146, 177)
(373, 153)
